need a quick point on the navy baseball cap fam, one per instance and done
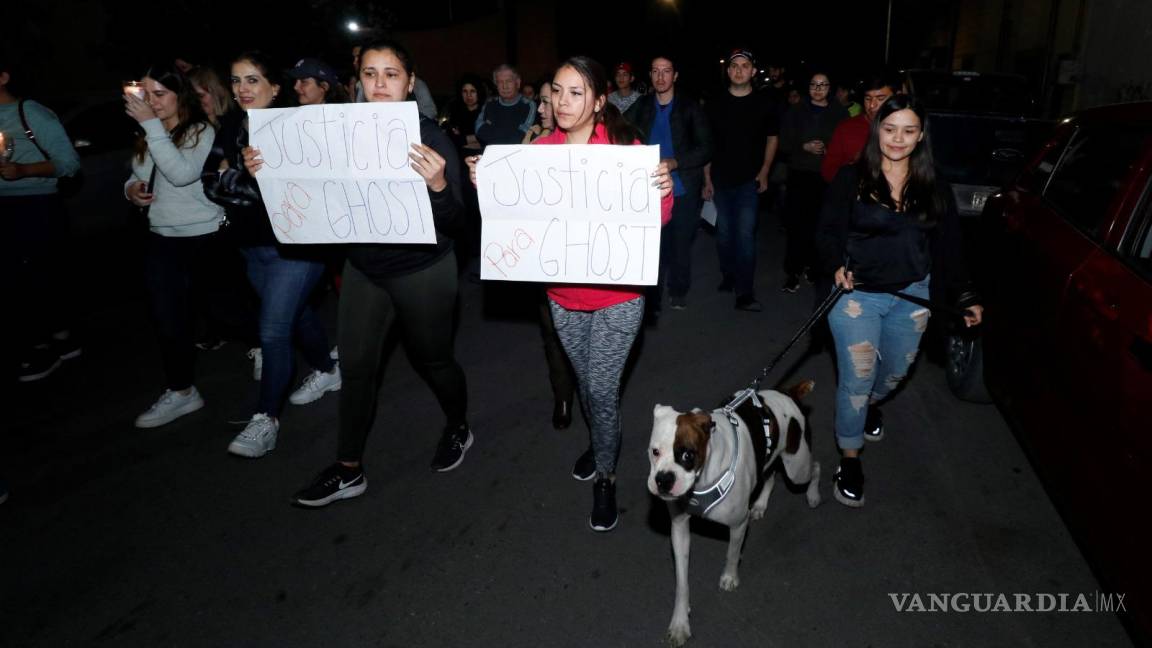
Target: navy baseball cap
(314, 68)
(742, 52)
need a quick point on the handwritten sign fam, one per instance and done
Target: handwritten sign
(341, 174)
(569, 214)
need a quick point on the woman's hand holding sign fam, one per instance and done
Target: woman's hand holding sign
(430, 165)
(663, 179)
(252, 160)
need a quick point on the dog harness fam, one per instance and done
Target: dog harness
(705, 499)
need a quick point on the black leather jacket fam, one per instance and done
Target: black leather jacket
(691, 134)
(233, 187)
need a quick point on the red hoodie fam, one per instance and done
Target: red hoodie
(590, 297)
(847, 143)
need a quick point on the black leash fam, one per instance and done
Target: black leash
(750, 391)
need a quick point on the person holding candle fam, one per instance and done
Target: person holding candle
(283, 276)
(412, 286)
(35, 217)
(182, 223)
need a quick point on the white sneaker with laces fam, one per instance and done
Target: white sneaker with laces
(257, 439)
(316, 384)
(170, 406)
(257, 358)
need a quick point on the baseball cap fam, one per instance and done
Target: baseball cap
(624, 65)
(314, 68)
(742, 52)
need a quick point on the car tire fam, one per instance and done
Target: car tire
(964, 366)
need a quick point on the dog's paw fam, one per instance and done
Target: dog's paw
(679, 634)
(729, 582)
(758, 510)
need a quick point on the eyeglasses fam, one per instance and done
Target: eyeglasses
(818, 85)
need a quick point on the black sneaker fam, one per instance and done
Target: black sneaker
(585, 467)
(210, 344)
(604, 516)
(336, 482)
(453, 444)
(791, 284)
(848, 482)
(748, 303)
(874, 424)
(39, 363)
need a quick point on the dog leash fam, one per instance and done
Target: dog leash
(750, 391)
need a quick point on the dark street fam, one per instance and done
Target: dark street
(119, 536)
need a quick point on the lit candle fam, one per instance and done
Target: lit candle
(134, 88)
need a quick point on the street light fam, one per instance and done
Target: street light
(353, 26)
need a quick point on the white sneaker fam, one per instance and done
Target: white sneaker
(334, 353)
(171, 406)
(257, 358)
(315, 385)
(257, 439)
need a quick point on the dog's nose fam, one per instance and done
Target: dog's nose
(665, 480)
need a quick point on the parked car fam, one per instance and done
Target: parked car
(1066, 347)
(984, 127)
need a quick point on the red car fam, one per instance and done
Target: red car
(1066, 268)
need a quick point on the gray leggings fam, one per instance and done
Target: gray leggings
(598, 343)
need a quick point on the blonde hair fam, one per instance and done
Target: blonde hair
(206, 78)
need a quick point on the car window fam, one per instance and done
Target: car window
(1139, 252)
(1035, 178)
(1092, 171)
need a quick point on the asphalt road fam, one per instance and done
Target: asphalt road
(120, 536)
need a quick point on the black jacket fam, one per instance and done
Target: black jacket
(691, 135)
(837, 234)
(234, 188)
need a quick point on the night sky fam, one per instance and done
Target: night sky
(110, 40)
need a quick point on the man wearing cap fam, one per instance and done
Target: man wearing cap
(316, 83)
(506, 117)
(624, 96)
(744, 128)
(679, 126)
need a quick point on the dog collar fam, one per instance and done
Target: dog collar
(703, 500)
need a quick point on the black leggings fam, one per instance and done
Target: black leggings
(423, 304)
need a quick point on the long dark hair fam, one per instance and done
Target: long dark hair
(920, 192)
(192, 121)
(619, 130)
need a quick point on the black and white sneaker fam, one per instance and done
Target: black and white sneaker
(585, 467)
(453, 444)
(336, 482)
(874, 424)
(604, 515)
(848, 482)
(791, 284)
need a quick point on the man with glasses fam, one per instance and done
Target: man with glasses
(679, 126)
(744, 128)
(851, 135)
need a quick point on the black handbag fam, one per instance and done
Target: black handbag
(66, 186)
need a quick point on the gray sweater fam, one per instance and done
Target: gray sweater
(180, 207)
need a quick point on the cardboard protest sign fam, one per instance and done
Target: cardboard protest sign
(569, 214)
(340, 173)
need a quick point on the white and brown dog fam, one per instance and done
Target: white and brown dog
(709, 464)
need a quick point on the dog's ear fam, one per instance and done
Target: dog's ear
(801, 389)
(704, 420)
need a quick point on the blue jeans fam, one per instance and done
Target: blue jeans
(736, 234)
(877, 336)
(285, 315)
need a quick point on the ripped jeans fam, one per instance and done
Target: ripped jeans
(877, 336)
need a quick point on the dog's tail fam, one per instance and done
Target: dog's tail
(800, 389)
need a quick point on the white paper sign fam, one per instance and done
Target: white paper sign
(569, 214)
(340, 173)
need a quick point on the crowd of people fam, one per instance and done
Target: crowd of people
(855, 185)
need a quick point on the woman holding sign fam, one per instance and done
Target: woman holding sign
(412, 286)
(596, 324)
(282, 275)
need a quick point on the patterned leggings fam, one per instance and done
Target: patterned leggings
(598, 343)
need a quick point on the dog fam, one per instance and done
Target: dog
(706, 464)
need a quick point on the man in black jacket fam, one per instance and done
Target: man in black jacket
(680, 127)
